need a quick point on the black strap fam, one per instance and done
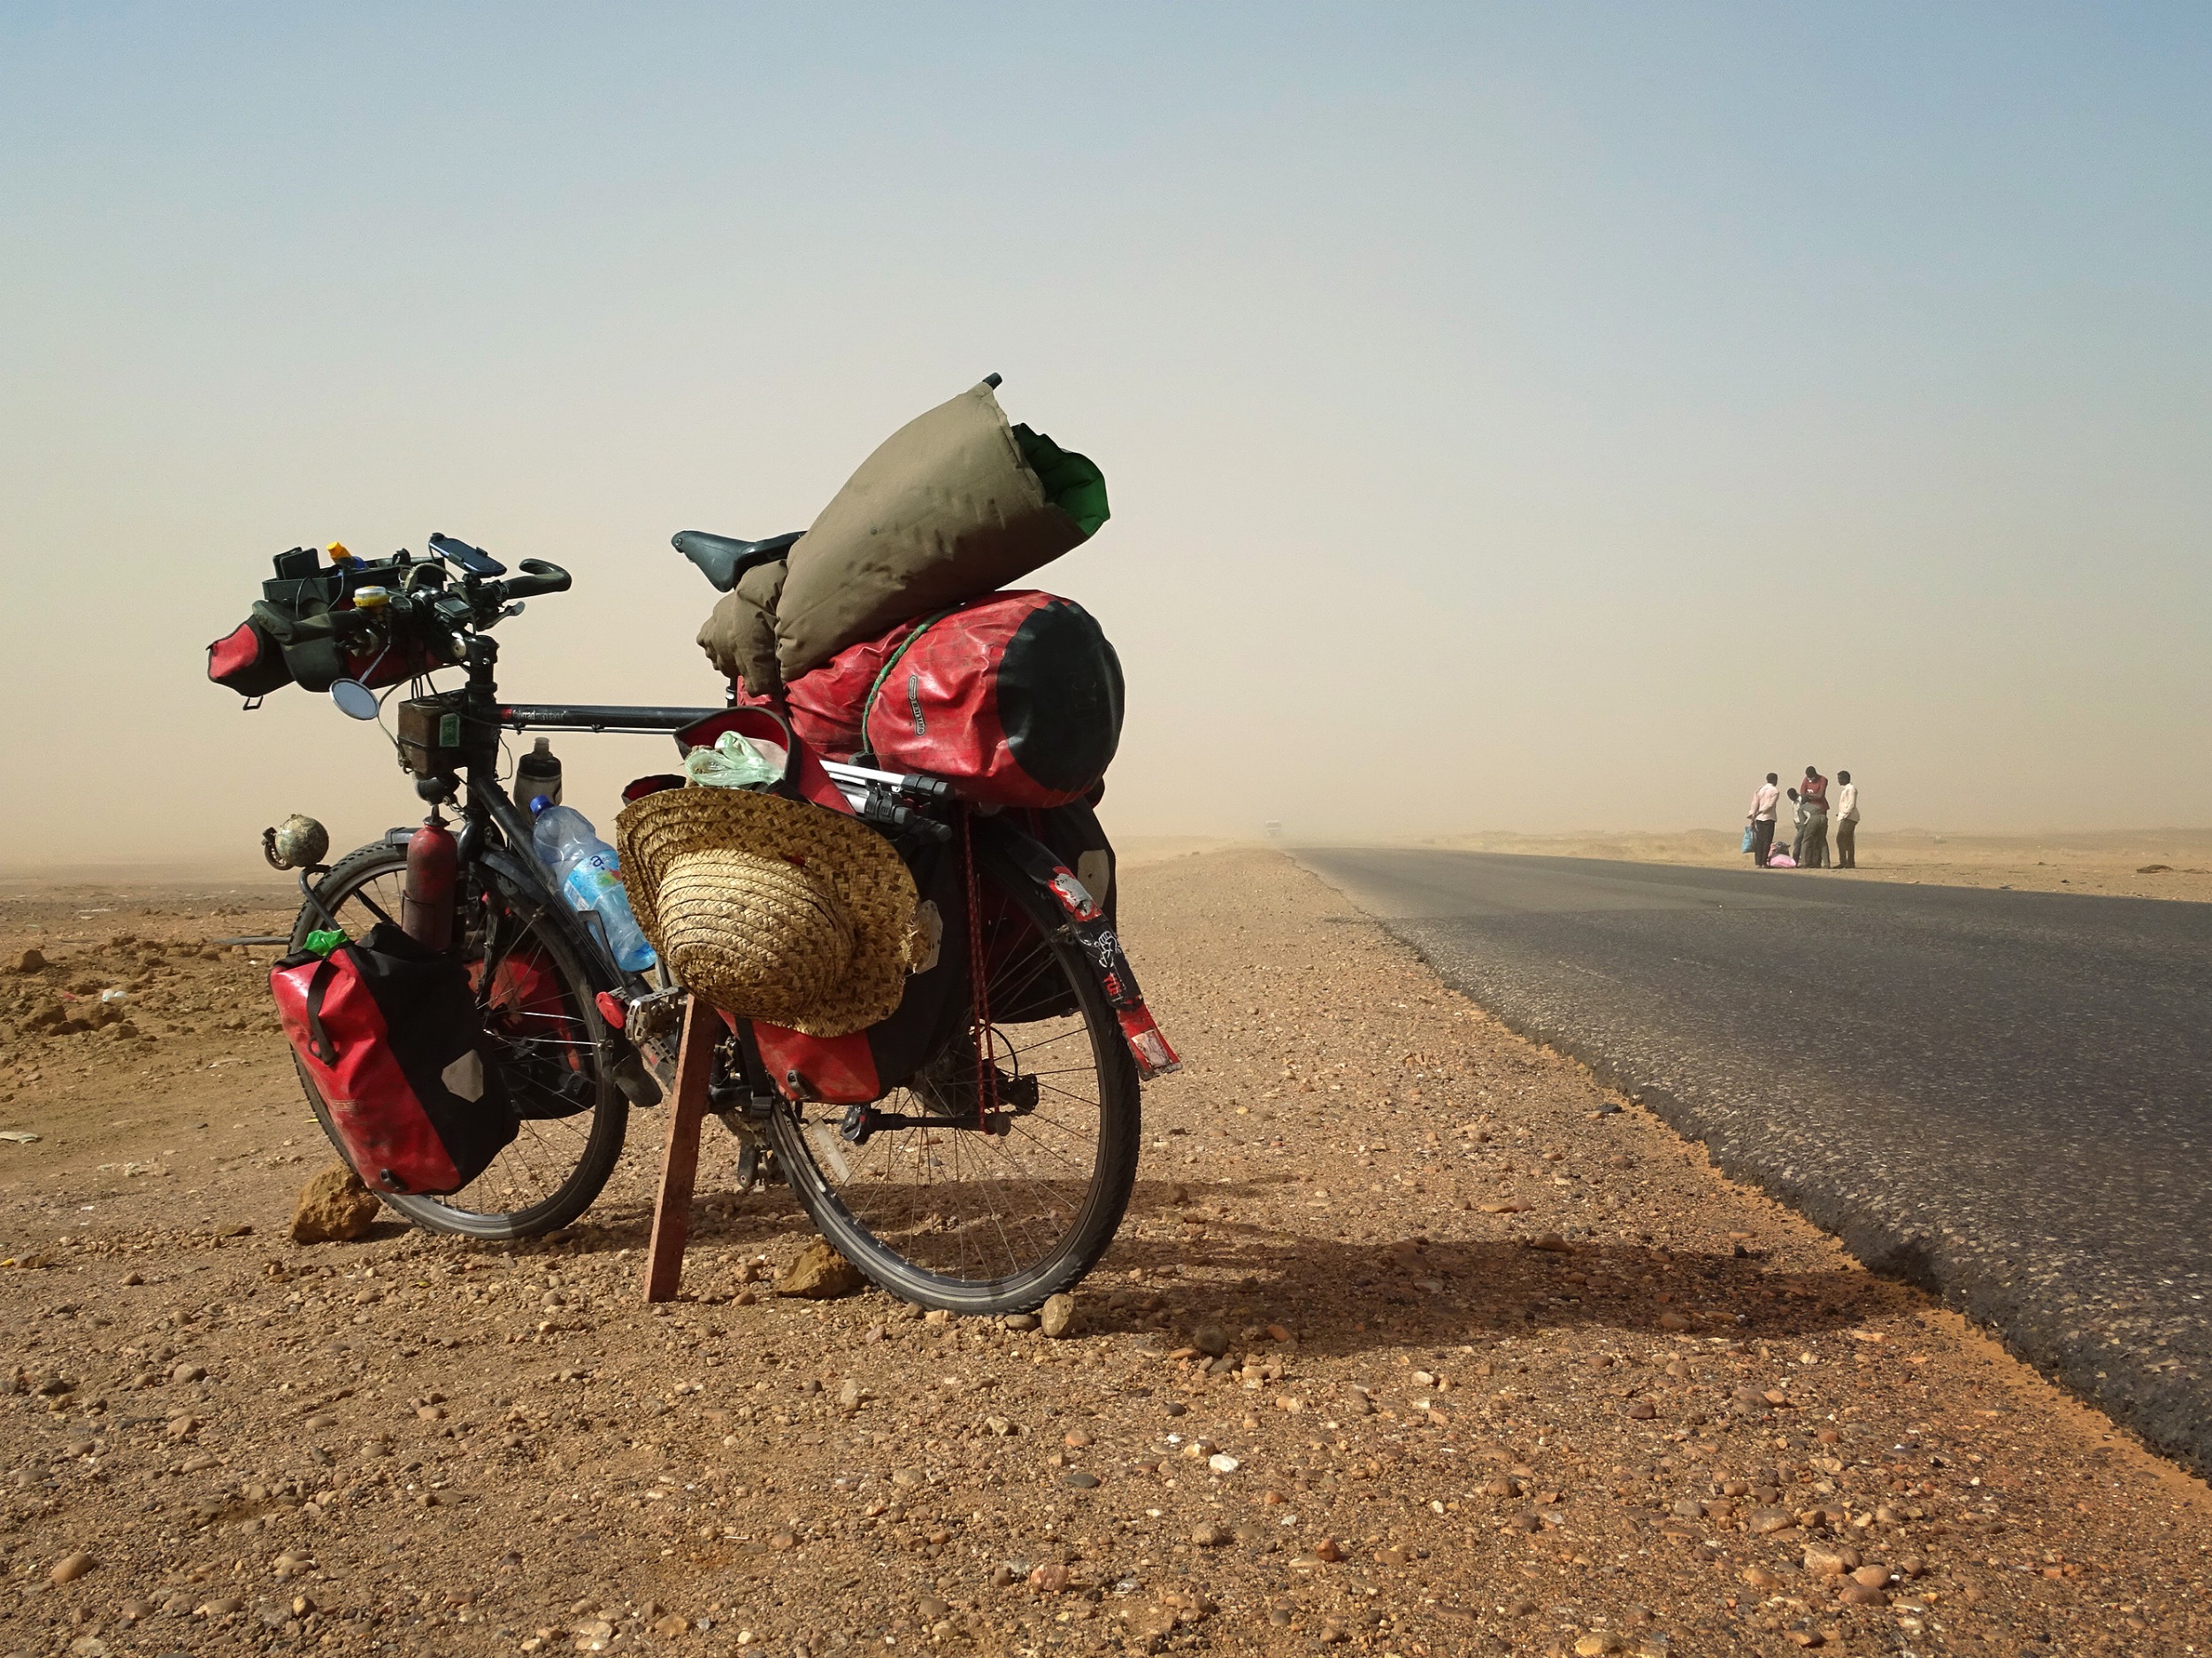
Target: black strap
(318, 1042)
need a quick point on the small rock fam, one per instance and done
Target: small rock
(71, 1567)
(933, 1610)
(31, 962)
(1823, 1561)
(1861, 1594)
(187, 1373)
(334, 1208)
(908, 1479)
(1024, 1322)
(221, 1606)
(849, 1396)
(1759, 1577)
(1642, 1410)
(1327, 1549)
(1081, 1481)
(1872, 1576)
(132, 1280)
(1223, 1463)
(134, 1609)
(1592, 1645)
(1056, 1317)
(1049, 1579)
(1766, 1521)
(999, 1427)
(783, 1542)
(820, 1274)
(1210, 1340)
(1212, 1536)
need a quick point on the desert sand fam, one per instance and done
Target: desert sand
(1503, 1367)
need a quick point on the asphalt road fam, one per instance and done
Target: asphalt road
(2005, 1096)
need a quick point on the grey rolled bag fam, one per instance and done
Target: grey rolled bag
(953, 505)
(740, 634)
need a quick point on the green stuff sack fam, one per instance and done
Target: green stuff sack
(955, 504)
(740, 636)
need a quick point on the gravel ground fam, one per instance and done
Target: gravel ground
(1503, 1368)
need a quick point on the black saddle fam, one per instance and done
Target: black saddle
(722, 559)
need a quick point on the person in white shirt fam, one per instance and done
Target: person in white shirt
(1847, 822)
(1761, 817)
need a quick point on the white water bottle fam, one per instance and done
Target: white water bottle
(584, 869)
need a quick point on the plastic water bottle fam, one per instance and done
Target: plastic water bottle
(584, 868)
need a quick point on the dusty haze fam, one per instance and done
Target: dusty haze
(1515, 421)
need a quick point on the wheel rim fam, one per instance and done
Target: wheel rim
(547, 1046)
(973, 1210)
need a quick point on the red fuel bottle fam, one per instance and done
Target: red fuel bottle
(426, 908)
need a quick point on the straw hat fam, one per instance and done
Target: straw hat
(774, 909)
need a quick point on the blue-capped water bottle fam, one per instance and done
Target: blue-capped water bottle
(584, 869)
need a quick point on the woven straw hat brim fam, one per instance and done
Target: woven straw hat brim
(701, 869)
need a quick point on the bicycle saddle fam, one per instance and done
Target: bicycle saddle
(722, 559)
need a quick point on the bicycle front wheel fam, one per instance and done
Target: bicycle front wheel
(536, 1003)
(984, 1211)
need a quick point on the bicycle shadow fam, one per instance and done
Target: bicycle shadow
(1344, 1298)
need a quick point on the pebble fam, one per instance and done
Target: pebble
(1221, 1462)
(1081, 1481)
(1642, 1410)
(1872, 1576)
(1049, 1579)
(187, 1372)
(1212, 1536)
(71, 1567)
(1056, 1317)
(132, 1280)
(1021, 1321)
(1210, 1340)
(132, 1610)
(1824, 1560)
(1861, 1594)
(1077, 1440)
(933, 1610)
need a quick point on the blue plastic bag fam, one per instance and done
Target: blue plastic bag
(1746, 846)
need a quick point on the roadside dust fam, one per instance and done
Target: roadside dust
(2112, 863)
(1502, 1367)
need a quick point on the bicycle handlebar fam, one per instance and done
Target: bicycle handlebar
(537, 577)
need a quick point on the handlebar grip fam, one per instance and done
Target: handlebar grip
(537, 577)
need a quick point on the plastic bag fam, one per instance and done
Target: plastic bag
(734, 761)
(1749, 835)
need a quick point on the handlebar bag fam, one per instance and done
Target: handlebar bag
(388, 1031)
(248, 660)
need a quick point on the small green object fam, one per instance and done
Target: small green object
(325, 939)
(449, 731)
(1072, 481)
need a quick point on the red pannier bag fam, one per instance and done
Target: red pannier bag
(1014, 698)
(248, 660)
(387, 1031)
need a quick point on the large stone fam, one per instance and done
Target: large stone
(820, 1274)
(334, 1208)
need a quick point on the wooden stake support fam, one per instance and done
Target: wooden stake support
(679, 1162)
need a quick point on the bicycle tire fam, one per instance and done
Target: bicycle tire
(1105, 1200)
(596, 1151)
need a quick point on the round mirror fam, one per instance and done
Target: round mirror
(355, 700)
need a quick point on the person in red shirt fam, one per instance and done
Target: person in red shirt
(1812, 847)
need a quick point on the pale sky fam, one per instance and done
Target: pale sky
(1516, 418)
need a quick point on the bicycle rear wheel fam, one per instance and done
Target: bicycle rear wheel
(546, 1035)
(982, 1221)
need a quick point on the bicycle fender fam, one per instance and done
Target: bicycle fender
(1096, 941)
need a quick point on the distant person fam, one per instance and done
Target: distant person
(1847, 822)
(1811, 851)
(1761, 817)
(1778, 859)
(1797, 833)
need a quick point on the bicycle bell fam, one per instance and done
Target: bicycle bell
(298, 843)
